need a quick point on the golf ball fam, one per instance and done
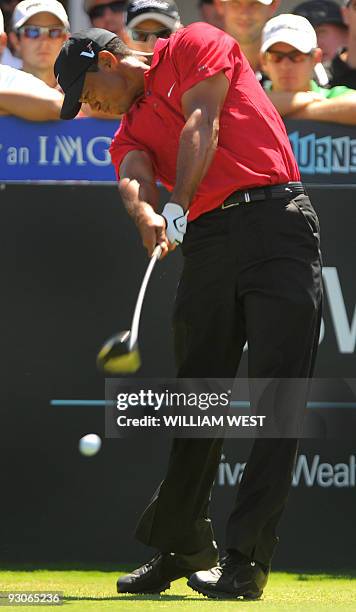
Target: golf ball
(89, 445)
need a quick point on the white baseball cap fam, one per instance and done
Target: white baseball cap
(291, 29)
(1, 23)
(26, 9)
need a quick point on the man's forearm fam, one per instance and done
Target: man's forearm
(32, 108)
(139, 193)
(336, 110)
(138, 197)
(288, 103)
(197, 148)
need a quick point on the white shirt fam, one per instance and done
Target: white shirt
(10, 60)
(21, 82)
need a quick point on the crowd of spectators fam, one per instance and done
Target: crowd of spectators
(306, 61)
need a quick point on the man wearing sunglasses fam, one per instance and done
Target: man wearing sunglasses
(22, 95)
(39, 29)
(147, 20)
(106, 14)
(289, 56)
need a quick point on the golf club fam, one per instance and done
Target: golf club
(120, 354)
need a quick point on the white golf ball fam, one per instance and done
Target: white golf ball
(89, 445)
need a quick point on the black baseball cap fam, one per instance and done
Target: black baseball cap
(319, 12)
(77, 55)
(163, 11)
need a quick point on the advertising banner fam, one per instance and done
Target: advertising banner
(78, 150)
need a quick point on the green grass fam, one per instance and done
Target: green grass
(95, 590)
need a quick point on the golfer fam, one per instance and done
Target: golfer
(197, 120)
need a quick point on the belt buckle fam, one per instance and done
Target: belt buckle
(246, 198)
(225, 206)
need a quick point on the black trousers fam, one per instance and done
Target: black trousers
(251, 272)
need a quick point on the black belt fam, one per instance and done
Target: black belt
(270, 192)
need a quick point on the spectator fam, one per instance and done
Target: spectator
(25, 96)
(289, 54)
(147, 20)
(8, 7)
(343, 67)
(244, 20)
(326, 18)
(40, 28)
(107, 15)
(6, 56)
(3, 37)
(209, 13)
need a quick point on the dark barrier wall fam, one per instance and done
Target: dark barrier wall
(71, 266)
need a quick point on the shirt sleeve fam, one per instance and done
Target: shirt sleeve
(17, 81)
(122, 144)
(201, 51)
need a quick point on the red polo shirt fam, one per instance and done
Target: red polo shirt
(253, 148)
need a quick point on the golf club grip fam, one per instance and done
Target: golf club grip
(141, 296)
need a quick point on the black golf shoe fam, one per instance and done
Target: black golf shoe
(156, 575)
(236, 577)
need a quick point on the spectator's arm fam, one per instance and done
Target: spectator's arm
(33, 106)
(334, 110)
(289, 103)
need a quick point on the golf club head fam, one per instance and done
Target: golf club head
(116, 357)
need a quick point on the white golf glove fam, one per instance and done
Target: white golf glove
(176, 222)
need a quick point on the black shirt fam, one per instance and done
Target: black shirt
(341, 73)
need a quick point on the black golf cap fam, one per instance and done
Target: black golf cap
(77, 55)
(319, 12)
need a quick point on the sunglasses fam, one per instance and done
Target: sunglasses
(141, 36)
(295, 56)
(34, 32)
(115, 7)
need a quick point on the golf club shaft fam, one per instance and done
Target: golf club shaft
(141, 296)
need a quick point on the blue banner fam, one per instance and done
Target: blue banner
(56, 151)
(78, 150)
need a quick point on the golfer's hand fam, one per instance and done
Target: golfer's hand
(176, 223)
(152, 228)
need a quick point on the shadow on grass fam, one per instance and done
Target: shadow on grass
(300, 574)
(129, 598)
(72, 566)
(340, 575)
(158, 598)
